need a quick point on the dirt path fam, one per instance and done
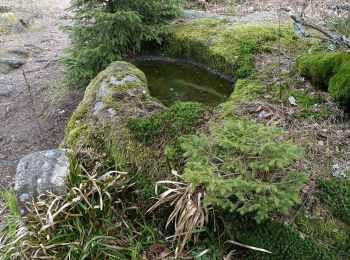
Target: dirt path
(33, 118)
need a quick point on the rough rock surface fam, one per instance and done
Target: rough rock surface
(10, 23)
(41, 172)
(100, 121)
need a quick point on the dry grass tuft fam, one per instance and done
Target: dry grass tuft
(189, 215)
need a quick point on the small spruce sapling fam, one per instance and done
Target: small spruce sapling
(244, 167)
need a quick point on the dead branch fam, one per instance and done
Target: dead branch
(336, 38)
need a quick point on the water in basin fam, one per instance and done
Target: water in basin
(172, 82)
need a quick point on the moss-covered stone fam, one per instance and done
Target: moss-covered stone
(230, 48)
(9, 23)
(339, 85)
(321, 67)
(112, 98)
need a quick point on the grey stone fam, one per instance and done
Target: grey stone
(13, 63)
(5, 92)
(19, 50)
(39, 173)
(98, 108)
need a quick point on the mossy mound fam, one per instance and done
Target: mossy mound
(282, 240)
(321, 67)
(339, 85)
(336, 193)
(112, 98)
(230, 48)
(323, 227)
(328, 71)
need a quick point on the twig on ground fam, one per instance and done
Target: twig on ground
(32, 102)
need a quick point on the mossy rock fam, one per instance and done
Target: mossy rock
(100, 121)
(10, 23)
(319, 68)
(339, 85)
(230, 48)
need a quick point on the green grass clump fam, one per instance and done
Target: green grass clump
(12, 216)
(244, 167)
(283, 241)
(339, 85)
(336, 193)
(343, 26)
(180, 119)
(321, 67)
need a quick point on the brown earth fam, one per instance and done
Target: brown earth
(33, 113)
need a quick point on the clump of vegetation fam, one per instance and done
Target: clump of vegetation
(244, 167)
(339, 85)
(93, 220)
(328, 71)
(104, 31)
(321, 67)
(180, 119)
(11, 216)
(323, 227)
(282, 240)
(246, 89)
(336, 193)
(310, 106)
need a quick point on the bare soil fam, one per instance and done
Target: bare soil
(33, 112)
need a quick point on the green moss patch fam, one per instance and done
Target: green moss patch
(230, 48)
(283, 241)
(168, 124)
(336, 193)
(325, 228)
(321, 67)
(339, 85)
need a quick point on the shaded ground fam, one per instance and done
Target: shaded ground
(33, 118)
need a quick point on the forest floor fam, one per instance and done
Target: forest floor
(33, 112)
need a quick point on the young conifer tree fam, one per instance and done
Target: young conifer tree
(105, 30)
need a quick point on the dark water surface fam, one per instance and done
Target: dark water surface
(172, 82)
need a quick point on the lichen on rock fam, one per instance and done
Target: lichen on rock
(10, 23)
(39, 173)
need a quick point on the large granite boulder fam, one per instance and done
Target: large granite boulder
(116, 95)
(39, 173)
